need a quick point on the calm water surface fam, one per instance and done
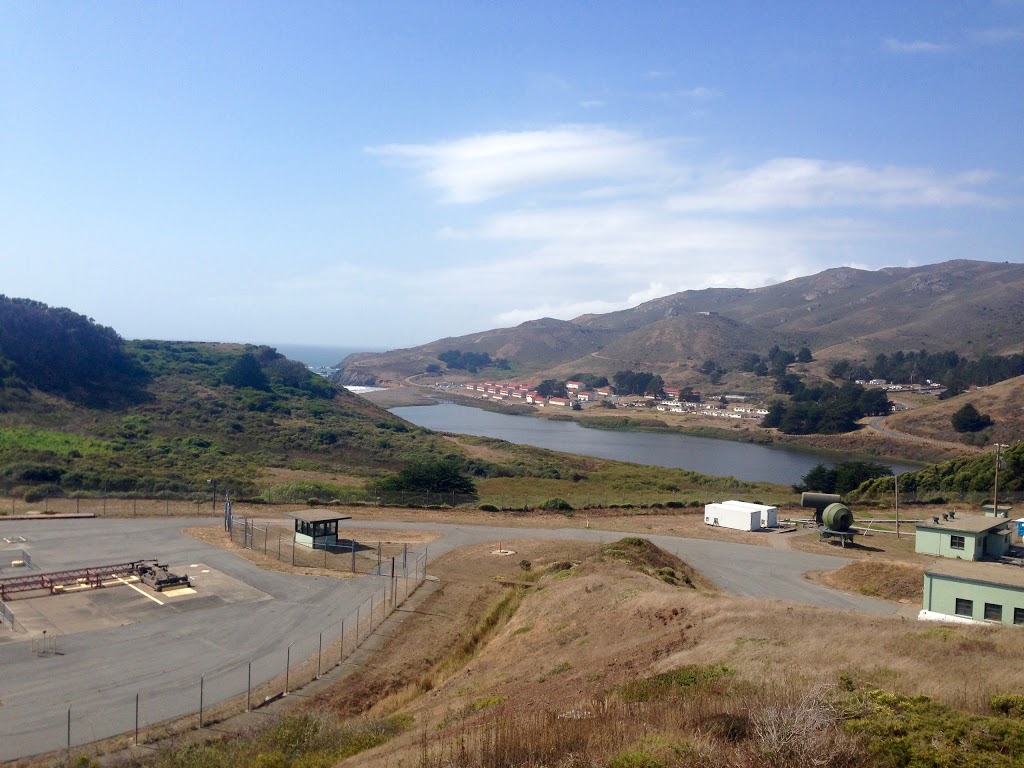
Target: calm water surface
(744, 461)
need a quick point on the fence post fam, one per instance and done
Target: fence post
(202, 679)
(325, 555)
(279, 547)
(393, 595)
(341, 649)
(248, 689)
(287, 669)
(405, 555)
(319, 653)
(353, 552)
(136, 719)
(371, 613)
(378, 567)
(69, 734)
(357, 626)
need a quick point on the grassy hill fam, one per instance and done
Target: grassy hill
(1003, 401)
(971, 307)
(167, 419)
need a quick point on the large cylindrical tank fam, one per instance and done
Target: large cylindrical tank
(818, 500)
(837, 517)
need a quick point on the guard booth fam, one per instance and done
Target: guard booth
(317, 528)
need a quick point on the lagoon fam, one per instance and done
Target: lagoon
(744, 461)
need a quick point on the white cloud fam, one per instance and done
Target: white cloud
(914, 46)
(632, 221)
(798, 183)
(592, 104)
(480, 168)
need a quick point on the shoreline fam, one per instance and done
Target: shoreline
(857, 446)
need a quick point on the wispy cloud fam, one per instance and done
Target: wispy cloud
(636, 218)
(480, 168)
(797, 183)
(914, 46)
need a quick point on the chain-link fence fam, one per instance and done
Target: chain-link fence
(347, 555)
(245, 685)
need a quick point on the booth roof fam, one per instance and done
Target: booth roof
(317, 516)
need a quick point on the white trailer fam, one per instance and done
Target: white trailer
(769, 515)
(732, 517)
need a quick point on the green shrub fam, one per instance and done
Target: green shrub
(558, 504)
(1011, 705)
(488, 508)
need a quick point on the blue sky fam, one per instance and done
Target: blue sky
(384, 174)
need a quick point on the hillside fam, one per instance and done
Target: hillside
(83, 411)
(970, 307)
(1003, 401)
(570, 654)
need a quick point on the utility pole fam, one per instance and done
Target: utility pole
(995, 490)
(896, 478)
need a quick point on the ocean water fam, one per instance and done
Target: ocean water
(319, 356)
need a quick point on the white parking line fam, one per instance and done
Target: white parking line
(127, 584)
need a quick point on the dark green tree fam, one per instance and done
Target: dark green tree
(429, 476)
(552, 388)
(246, 372)
(968, 419)
(842, 478)
(804, 355)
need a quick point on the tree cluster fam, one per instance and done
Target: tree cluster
(638, 383)
(470, 361)
(428, 476)
(822, 408)
(841, 478)
(65, 353)
(949, 368)
(776, 361)
(590, 380)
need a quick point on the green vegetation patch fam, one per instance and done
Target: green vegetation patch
(672, 683)
(306, 491)
(640, 554)
(917, 731)
(63, 444)
(305, 740)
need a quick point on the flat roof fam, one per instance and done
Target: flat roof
(317, 516)
(991, 573)
(969, 524)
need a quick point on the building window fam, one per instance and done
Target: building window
(993, 612)
(1018, 615)
(956, 542)
(964, 607)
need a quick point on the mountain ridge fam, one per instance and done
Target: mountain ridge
(971, 307)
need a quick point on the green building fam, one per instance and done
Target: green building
(964, 538)
(974, 592)
(316, 528)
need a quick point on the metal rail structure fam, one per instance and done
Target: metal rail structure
(92, 576)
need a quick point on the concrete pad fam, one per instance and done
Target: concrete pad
(84, 609)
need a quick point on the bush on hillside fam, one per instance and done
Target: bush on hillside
(968, 419)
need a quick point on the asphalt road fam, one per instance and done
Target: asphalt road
(165, 652)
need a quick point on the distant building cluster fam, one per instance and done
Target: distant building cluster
(676, 399)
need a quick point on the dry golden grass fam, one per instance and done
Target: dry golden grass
(600, 625)
(901, 582)
(1002, 401)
